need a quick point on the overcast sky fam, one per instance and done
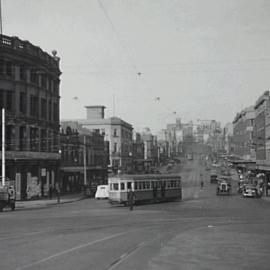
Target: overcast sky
(204, 59)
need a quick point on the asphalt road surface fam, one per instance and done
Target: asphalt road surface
(203, 231)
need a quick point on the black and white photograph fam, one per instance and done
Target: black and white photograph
(135, 134)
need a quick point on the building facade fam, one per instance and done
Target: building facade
(151, 150)
(262, 130)
(138, 154)
(29, 92)
(116, 131)
(243, 139)
(84, 158)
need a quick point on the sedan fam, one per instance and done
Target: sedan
(249, 191)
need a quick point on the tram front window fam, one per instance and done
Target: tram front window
(115, 186)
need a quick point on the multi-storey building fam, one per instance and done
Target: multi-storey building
(116, 131)
(84, 158)
(138, 154)
(262, 130)
(151, 151)
(228, 138)
(29, 92)
(243, 144)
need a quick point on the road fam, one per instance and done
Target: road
(203, 231)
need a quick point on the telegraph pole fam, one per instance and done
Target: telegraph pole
(84, 162)
(1, 25)
(3, 148)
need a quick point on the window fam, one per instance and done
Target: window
(10, 132)
(9, 69)
(33, 76)
(115, 132)
(22, 138)
(43, 81)
(129, 185)
(1, 98)
(143, 185)
(34, 106)
(55, 87)
(9, 101)
(43, 140)
(23, 102)
(115, 147)
(2, 67)
(55, 112)
(122, 186)
(115, 186)
(22, 73)
(50, 111)
(34, 139)
(43, 108)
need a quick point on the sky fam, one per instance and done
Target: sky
(150, 61)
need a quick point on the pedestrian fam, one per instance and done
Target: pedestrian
(50, 191)
(201, 179)
(57, 189)
(131, 199)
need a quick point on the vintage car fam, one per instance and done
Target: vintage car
(250, 190)
(224, 186)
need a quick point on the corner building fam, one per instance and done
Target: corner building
(29, 92)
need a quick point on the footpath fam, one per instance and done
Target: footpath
(40, 203)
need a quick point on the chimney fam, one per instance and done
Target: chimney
(95, 112)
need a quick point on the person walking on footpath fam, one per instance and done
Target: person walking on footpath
(57, 189)
(50, 191)
(131, 199)
(201, 180)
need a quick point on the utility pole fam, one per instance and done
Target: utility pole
(1, 25)
(84, 162)
(3, 148)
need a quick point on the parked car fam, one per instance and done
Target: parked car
(102, 192)
(250, 190)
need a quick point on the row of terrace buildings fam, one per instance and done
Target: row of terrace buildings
(42, 153)
(250, 139)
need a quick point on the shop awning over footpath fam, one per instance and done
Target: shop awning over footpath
(249, 165)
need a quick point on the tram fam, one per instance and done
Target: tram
(146, 187)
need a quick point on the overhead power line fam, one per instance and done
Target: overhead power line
(117, 35)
